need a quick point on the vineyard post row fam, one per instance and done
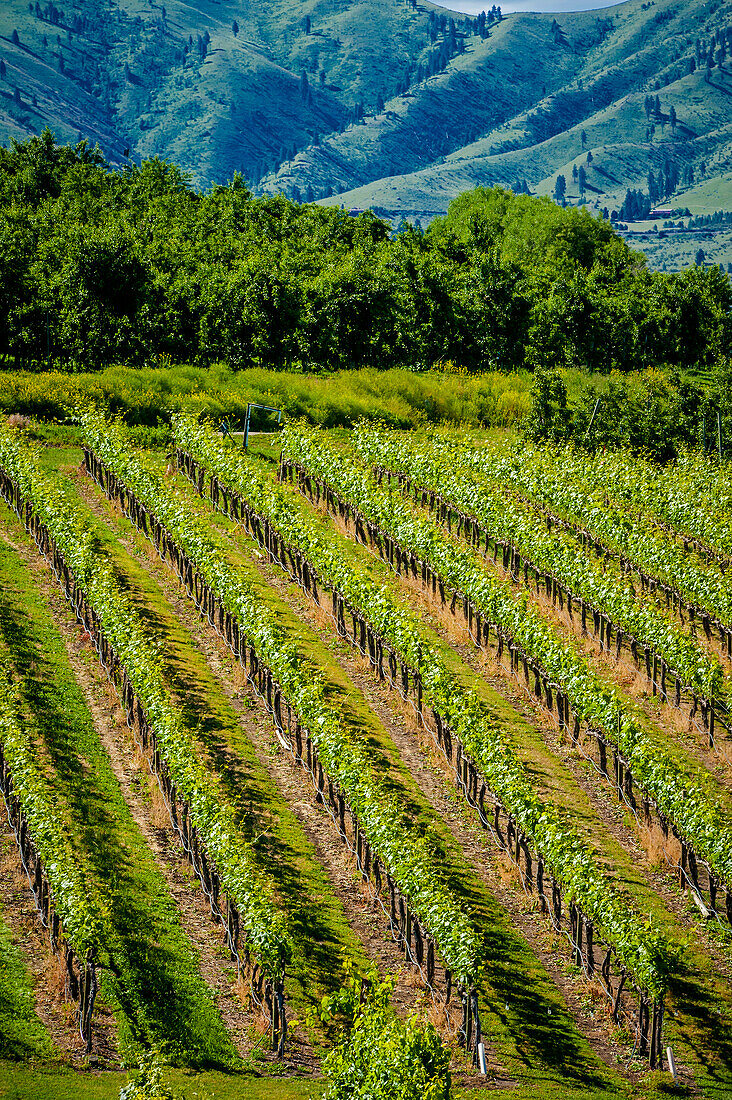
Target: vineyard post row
(266, 989)
(674, 596)
(514, 560)
(419, 943)
(371, 534)
(672, 593)
(67, 904)
(367, 639)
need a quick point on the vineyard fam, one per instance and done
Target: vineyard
(430, 731)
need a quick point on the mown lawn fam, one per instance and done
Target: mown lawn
(19, 1082)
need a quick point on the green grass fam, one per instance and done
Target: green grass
(478, 404)
(146, 397)
(18, 1082)
(526, 1024)
(154, 983)
(323, 937)
(22, 1035)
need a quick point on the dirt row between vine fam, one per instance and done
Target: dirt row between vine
(586, 1000)
(45, 969)
(715, 958)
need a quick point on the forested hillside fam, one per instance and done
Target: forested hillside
(214, 88)
(100, 266)
(383, 104)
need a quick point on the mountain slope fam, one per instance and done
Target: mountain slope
(214, 86)
(390, 104)
(481, 88)
(643, 50)
(615, 137)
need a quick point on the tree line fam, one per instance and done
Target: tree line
(134, 266)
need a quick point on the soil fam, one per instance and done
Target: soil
(436, 781)
(362, 912)
(46, 970)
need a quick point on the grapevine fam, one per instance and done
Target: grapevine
(405, 853)
(245, 882)
(81, 909)
(639, 949)
(687, 801)
(561, 482)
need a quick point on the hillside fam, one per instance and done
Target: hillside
(380, 104)
(215, 88)
(601, 110)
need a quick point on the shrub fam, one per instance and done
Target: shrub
(380, 1056)
(146, 1080)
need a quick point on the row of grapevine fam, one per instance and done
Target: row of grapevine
(508, 526)
(685, 800)
(380, 622)
(691, 497)
(561, 484)
(204, 821)
(69, 905)
(344, 767)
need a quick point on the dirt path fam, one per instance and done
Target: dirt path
(357, 909)
(702, 980)
(77, 717)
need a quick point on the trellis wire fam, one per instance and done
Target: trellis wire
(470, 528)
(96, 634)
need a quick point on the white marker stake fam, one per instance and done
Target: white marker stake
(481, 1059)
(671, 1063)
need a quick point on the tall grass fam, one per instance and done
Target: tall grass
(147, 397)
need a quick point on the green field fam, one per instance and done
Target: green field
(167, 983)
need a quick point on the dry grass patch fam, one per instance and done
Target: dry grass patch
(659, 848)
